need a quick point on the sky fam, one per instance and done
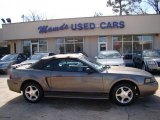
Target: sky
(52, 9)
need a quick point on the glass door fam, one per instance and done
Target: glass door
(34, 48)
(102, 44)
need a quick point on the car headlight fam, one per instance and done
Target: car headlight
(151, 62)
(149, 80)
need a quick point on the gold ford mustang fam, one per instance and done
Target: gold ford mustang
(77, 76)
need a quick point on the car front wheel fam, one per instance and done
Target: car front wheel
(32, 92)
(123, 94)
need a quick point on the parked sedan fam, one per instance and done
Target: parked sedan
(36, 57)
(148, 60)
(110, 57)
(77, 76)
(11, 59)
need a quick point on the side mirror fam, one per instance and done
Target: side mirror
(88, 70)
(28, 58)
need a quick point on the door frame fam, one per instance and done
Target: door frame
(31, 47)
(99, 43)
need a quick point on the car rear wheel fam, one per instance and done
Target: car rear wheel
(123, 94)
(32, 92)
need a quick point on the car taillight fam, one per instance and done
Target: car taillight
(10, 74)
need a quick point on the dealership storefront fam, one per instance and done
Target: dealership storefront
(91, 35)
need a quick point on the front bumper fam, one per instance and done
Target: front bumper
(14, 85)
(153, 67)
(4, 70)
(148, 89)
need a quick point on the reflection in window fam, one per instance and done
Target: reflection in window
(42, 45)
(69, 45)
(128, 44)
(127, 38)
(127, 47)
(117, 46)
(26, 47)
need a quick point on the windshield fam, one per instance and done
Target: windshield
(153, 53)
(38, 56)
(9, 57)
(98, 66)
(110, 55)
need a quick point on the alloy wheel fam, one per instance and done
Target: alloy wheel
(32, 93)
(124, 95)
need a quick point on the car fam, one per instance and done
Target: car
(128, 58)
(77, 76)
(110, 57)
(11, 59)
(35, 57)
(148, 60)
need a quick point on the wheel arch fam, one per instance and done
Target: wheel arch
(29, 81)
(124, 81)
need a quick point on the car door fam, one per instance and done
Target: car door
(70, 75)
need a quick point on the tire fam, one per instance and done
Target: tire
(127, 97)
(32, 92)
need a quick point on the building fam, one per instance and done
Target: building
(90, 34)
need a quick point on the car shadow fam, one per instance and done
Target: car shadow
(80, 104)
(77, 107)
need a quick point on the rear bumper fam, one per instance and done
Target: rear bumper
(14, 85)
(148, 89)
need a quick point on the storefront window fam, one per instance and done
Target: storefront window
(127, 47)
(147, 42)
(128, 44)
(69, 44)
(117, 43)
(34, 46)
(26, 47)
(127, 38)
(42, 45)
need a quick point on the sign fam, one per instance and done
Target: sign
(81, 26)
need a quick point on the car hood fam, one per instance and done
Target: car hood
(129, 71)
(29, 62)
(112, 62)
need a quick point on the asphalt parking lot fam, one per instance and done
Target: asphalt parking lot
(14, 107)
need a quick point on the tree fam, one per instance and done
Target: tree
(97, 14)
(33, 16)
(155, 4)
(123, 6)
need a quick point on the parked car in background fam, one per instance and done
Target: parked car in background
(77, 76)
(11, 59)
(110, 57)
(36, 57)
(1, 56)
(128, 58)
(147, 60)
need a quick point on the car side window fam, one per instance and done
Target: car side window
(66, 65)
(19, 57)
(139, 54)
